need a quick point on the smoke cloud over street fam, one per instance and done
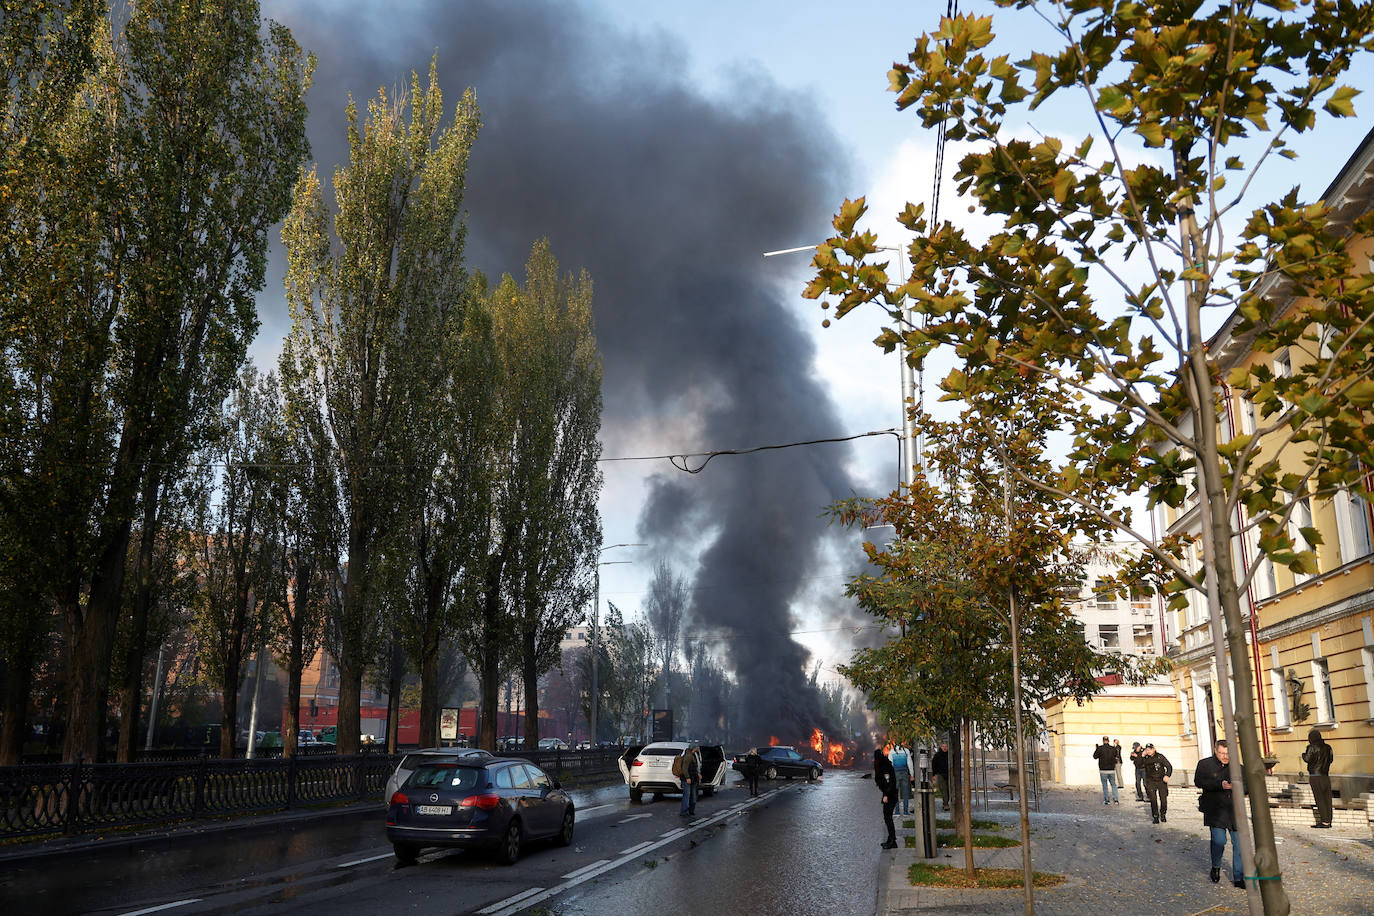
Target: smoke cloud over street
(594, 137)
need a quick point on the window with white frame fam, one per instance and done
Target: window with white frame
(1352, 525)
(1321, 683)
(1109, 635)
(1106, 597)
(1301, 518)
(1183, 707)
(1367, 653)
(1279, 686)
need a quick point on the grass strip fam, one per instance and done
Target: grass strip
(980, 841)
(979, 823)
(923, 874)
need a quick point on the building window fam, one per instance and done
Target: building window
(1321, 683)
(1108, 635)
(1301, 518)
(1352, 525)
(1368, 654)
(1187, 716)
(1247, 416)
(1106, 597)
(1279, 685)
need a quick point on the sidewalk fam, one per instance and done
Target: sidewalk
(1115, 860)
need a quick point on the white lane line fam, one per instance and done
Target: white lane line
(673, 832)
(634, 849)
(574, 874)
(589, 874)
(158, 909)
(632, 817)
(510, 900)
(385, 855)
(583, 812)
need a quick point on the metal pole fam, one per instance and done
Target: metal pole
(157, 695)
(596, 649)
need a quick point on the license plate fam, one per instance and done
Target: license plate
(433, 809)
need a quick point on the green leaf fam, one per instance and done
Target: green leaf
(1340, 102)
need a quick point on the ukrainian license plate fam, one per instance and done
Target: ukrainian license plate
(433, 809)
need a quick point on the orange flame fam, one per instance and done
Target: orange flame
(836, 756)
(773, 740)
(818, 741)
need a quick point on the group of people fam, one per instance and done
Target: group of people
(894, 775)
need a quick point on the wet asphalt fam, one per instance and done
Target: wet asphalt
(801, 848)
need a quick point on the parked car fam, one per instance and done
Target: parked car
(306, 738)
(552, 744)
(329, 735)
(478, 802)
(584, 745)
(780, 760)
(650, 769)
(414, 759)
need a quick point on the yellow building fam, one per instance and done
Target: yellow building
(1310, 637)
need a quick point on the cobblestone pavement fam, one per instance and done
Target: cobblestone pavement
(1117, 861)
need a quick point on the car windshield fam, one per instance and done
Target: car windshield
(660, 752)
(445, 777)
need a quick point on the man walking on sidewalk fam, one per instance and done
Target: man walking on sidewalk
(1157, 770)
(1116, 746)
(939, 768)
(886, 780)
(1105, 755)
(1213, 777)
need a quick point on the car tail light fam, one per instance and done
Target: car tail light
(485, 802)
(399, 799)
(637, 763)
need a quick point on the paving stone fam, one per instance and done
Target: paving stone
(1117, 861)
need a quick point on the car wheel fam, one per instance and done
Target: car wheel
(406, 853)
(509, 850)
(815, 773)
(770, 773)
(565, 836)
(637, 796)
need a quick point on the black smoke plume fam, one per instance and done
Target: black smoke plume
(594, 138)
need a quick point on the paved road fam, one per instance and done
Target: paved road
(1117, 861)
(787, 852)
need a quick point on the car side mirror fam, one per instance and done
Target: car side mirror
(557, 784)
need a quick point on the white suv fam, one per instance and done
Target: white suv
(650, 768)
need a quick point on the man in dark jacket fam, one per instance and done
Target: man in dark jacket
(691, 780)
(939, 768)
(1213, 777)
(1157, 769)
(1318, 756)
(886, 779)
(1105, 755)
(1137, 756)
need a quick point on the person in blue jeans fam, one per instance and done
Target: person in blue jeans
(691, 778)
(1105, 755)
(901, 763)
(1213, 777)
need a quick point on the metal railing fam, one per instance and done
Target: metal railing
(52, 799)
(562, 764)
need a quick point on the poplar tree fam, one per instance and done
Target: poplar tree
(376, 293)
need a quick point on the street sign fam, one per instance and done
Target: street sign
(448, 724)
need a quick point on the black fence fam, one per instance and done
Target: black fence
(52, 799)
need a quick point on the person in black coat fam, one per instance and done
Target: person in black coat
(753, 766)
(1157, 770)
(886, 779)
(1213, 777)
(1318, 756)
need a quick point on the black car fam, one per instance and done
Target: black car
(783, 761)
(484, 803)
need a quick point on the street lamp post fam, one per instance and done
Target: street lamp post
(912, 454)
(596, 631)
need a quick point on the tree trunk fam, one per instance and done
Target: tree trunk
(393, 693)
(350, 705)
(491, 690)
(966, 794)
(90, 638)
(530, 675)
(18, 684)
(429, 690)
(229, 701)
(131, 701)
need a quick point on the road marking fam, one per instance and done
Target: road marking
(583, 812)
(634, 849)
(632, 817)
(165, 906)
(515, 904)
(385, 855)
(674, 832)
(574, 874)
(509, 901)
